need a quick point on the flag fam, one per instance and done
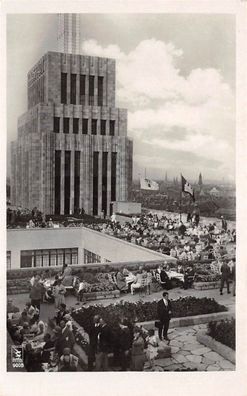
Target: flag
(187, 188)
(147, 184)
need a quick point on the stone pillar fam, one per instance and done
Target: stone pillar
(72, 171)
(62, 183)
(100, 181)
(108, 180)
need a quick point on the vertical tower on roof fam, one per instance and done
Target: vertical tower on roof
(69, 33)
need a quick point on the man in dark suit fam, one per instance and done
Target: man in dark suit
(225, 277)
(103, 346)
(164, 315)
(93, 340)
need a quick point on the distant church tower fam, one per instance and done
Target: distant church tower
(200, 180)
(69, 33)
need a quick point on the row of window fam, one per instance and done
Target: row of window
(82, 89)
(48, 257)
(53, 257)
(94, 126)
(90, 257)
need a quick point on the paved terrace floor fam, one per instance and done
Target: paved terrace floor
(188, 353)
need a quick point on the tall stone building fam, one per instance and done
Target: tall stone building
(72, 149)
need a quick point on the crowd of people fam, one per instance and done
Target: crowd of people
(50, 346)
(171, 236)
(46, 347)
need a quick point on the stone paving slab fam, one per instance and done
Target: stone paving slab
(194, 358)
(200, 351)
(189, 354)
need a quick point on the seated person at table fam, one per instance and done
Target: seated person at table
(23, 319)
(47, 348)
(31, 310)
(32, 359)
(14, 332)
(121, 282)
(25, 331)
(68, 361)
(61, 313)
(40, 332)
(137, 283)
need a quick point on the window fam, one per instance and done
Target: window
(94, 127)
(85, 126)
(104, 181)
(73, 89)
(82, 89)
(26, 259)
(91, 90)
(113, 175)
(8, 259)
(100, 91)
(64, 88)
(57, 181)
(75, 125)
(56, 124)
(77, 180)
(66, 125)
(90, 257)
(95, 182)
(103, 127)
(48, 257)
(112, 127)
(67, 163)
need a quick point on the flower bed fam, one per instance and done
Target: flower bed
(144, 311)
(206, 285)
(99, 295)
(224, 332)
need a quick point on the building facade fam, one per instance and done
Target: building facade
(72, 149)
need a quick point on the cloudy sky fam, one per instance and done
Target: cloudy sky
(175, 75)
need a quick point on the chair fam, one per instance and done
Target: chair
(143, 287)
(162, 283)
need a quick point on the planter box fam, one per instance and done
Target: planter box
(101, 294)
(216, 346)
(191, 320)
(206, 285)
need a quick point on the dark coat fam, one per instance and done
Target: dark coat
(225, 271)
(93, 335)
(163, 276)
(104, 339)
(163, 311)
(65, 340)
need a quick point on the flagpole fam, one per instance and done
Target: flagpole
(180, 203)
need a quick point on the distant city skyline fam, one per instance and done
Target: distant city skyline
(180, 105)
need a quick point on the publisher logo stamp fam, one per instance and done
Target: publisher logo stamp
(17, 356)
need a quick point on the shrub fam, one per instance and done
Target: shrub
(223, 331)
(144, 311)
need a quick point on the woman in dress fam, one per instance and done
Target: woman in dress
(59, 292)
(137, 351)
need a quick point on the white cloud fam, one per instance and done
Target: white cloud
(149, 83)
